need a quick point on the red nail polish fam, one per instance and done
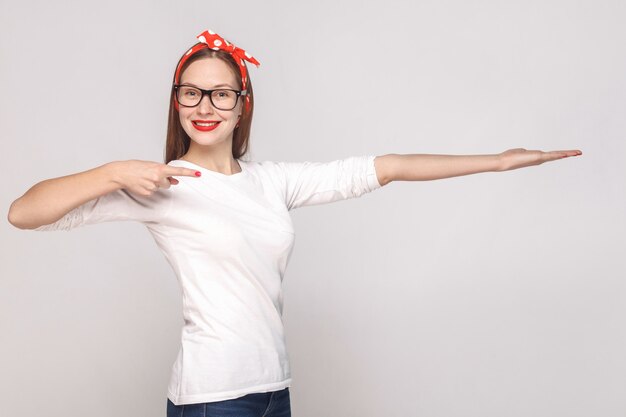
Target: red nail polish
(198, 173)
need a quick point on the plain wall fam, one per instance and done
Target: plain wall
(493, 294)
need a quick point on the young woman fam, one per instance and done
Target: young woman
(225, 226)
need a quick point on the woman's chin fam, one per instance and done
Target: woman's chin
(207, 139)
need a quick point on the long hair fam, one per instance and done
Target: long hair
(177, 142)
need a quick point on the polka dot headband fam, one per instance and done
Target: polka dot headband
(210, 39)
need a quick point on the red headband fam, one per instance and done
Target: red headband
(210, 39)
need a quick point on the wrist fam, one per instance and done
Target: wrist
(111, 173)
(499, 163)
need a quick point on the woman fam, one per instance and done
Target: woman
(225, 226)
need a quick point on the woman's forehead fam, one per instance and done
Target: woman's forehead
(209, 72)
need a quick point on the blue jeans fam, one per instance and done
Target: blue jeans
(258, 404)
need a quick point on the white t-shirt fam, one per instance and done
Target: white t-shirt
(228, 239)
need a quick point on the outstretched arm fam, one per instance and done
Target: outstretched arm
(50, 200)
(425, 167)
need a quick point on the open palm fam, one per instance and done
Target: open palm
(520, 157)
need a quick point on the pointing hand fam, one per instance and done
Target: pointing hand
(145, 177)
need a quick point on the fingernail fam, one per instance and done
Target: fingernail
(198, 173)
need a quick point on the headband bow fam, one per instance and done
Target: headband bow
(210, 39)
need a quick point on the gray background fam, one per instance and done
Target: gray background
(494, 294)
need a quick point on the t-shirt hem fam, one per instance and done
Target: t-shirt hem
(226, 395)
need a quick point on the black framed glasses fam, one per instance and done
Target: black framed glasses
(222, 99)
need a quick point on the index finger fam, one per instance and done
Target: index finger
(181, 171)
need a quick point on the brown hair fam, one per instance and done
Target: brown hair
(177, 142)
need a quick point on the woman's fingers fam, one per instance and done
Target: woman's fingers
(520, 157)
(562, 154)
(180, 171)
(169, 171)
(164, 182)
(146, 177)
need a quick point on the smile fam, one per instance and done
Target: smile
(204, 126)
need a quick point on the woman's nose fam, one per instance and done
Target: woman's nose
(205, 105)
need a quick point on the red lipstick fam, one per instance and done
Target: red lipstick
(205, 128)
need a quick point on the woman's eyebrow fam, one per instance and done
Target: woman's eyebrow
(217, 85)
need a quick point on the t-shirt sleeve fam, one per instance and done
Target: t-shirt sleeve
(116, 205)
(310, 183)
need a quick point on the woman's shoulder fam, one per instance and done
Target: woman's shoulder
(259, 164)
(262, 168)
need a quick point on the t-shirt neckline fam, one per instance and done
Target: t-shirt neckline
(207, 171)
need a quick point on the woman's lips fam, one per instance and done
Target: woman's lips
(205, 128)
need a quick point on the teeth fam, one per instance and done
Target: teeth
(206, 124)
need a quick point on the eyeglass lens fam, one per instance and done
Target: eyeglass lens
(221, 99)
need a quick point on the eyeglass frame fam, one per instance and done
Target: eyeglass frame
(239, 93)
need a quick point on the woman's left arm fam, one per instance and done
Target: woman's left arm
(426, 167)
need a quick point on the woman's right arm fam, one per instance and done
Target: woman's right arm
(49, 200)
